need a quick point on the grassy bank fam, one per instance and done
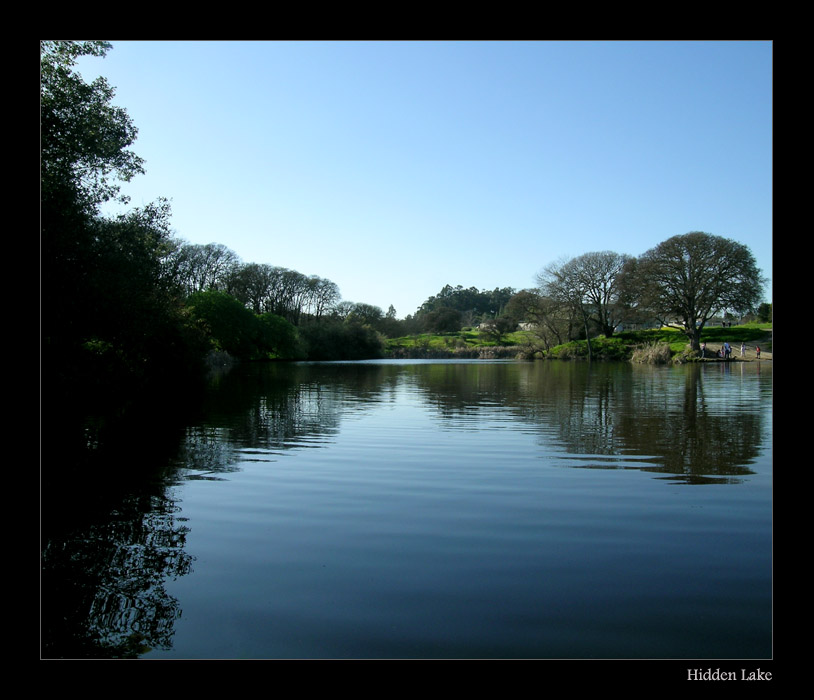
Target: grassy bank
(655, 345)
(466, 338)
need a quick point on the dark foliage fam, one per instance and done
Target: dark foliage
(341, 340)
(114, 337)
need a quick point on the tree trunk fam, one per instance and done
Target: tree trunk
(694, 334)
(587, 337)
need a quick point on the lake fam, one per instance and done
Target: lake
(434, 509)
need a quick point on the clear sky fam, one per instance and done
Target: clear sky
(393, 168)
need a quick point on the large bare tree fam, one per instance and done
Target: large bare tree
(590, 284)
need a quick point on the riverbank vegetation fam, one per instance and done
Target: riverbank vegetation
(652, 346)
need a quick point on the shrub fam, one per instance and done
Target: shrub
(278, 337)
(230, 325)
(332, 340)
(652, 354)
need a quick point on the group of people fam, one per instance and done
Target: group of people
(725, 351)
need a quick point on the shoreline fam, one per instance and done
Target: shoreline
(750, 354)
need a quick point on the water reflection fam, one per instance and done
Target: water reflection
(104, 579)
(601, 416)
(669, 420)
(104, 585)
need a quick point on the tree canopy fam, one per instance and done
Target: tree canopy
(687, 279)
(591, 284)
(84, 138)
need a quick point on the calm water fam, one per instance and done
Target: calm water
(438, 510)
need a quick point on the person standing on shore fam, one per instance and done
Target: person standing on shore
(703, 349)
(743, 349)
(757, 351)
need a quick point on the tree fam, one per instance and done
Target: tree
(113, 333)
(343, 309)
(201, 268)
(366, 314)
(230, 326)
(84, 139)
(324, 294)
(551, 322)
(333, 339)
(591, 284)
(251, 284)
(277, 337)
(471, 303)
(688, 279)
(442, 320)
(495, 330)
(521, 306)
(496, 301)
(84, 144)
(390, 326)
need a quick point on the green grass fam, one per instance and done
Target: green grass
(463, 338)
(747, 333)
(618, 347)
(621, 345)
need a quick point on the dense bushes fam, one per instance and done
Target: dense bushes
(234, 329)
(340, 340)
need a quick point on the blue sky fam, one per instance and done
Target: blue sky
(394, 168)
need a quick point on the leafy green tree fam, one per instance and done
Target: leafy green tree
(84, 144)
(688, 279)
(278, 337)
(366, 314)
(409, 325)
(442, 320)
(231, 326)
(113, 332)
(391, 326)
(764, 312)
(496, 301)
(471, 303)
(522, 307)
(342, 309)
(333, 339)
(84, 139)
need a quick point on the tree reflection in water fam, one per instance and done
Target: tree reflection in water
(104, 573)
(103, 585)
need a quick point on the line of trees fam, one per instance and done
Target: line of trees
(683, 283)
(129, 312)
(472, 305)
(262, 288)
(454, 308)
